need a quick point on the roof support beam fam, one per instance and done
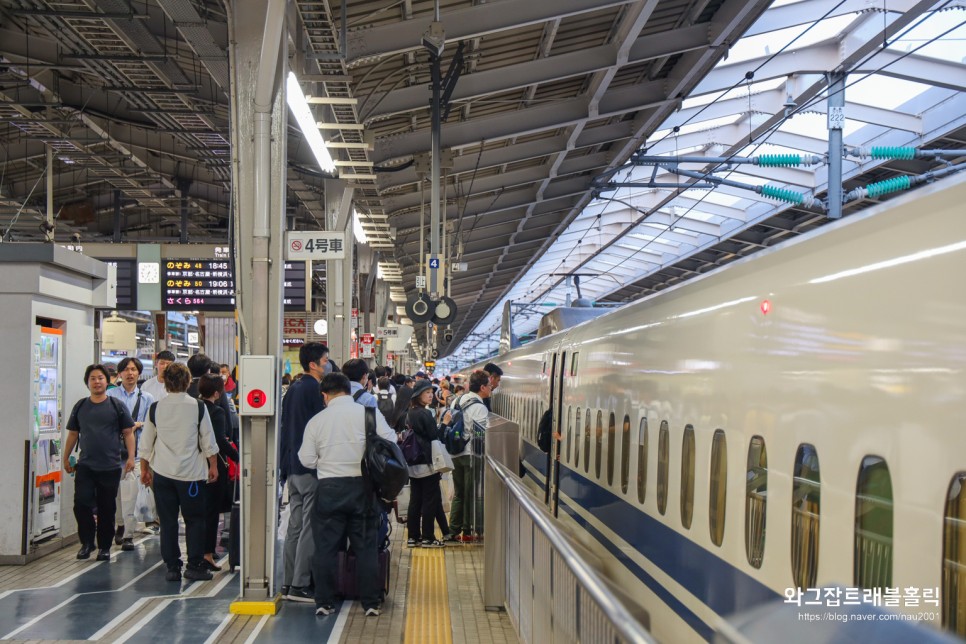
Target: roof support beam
(464, 24)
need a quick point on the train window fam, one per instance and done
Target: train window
(719, 486)
(687, 476)
(599, 444)
(756, 501)
(577, 444)
(573, 364)
(954, 557)
(570, 431)
(806, 511)
(625, 453)
(663, 448)
(611, 446)
(587, 444)
(642, 460)
(873, 525)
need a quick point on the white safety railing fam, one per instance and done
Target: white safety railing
(551, 594)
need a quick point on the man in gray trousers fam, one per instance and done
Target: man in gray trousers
(302, 401)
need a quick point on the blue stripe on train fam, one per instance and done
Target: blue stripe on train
(719, 585)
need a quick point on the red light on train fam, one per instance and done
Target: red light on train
(765, 307)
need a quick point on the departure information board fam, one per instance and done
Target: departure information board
(127, 291)
(294, 287)
(197, 285)
(207, 285)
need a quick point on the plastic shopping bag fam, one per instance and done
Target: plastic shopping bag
(283, 522)
(442, 461)
(144, 509)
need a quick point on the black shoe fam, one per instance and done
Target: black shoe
(173, 574)
(85, 551)
(304, 595)
(118, 535)
(285, 590)
(196, 573)
(324, 610)
(104, 555)
(127, 544)
(207, 565)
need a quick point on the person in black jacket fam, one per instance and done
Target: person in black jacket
(210, 389)
(425, 501)
(199, 364)
(302, 401)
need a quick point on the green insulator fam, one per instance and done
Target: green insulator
(782, 194)
(893, 152)
(895, 184)
(779, 160)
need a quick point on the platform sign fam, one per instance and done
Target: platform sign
(197, 284)
(316, 245)
(387, 332)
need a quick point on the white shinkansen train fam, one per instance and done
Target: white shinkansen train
(796, 419)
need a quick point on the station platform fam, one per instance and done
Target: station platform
(434, 597)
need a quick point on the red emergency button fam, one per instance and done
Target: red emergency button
(256, 398)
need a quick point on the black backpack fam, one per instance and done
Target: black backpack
(385, 404)
(383, 464)
(455, 437)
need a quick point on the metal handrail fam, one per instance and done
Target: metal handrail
(624, 622)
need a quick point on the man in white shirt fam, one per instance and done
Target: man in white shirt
(334, 444)
(155, 386)
(137, 403)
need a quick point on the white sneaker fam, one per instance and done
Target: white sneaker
(325, 610)
(373, 612)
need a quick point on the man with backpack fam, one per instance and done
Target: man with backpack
(466, 513)
(99, 423)
(385, 398)
(345, 505)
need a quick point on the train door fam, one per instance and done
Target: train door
(550, 464)
(557, 436)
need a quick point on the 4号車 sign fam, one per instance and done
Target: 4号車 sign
(319, 245)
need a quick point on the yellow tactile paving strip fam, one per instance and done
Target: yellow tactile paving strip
(427, 617)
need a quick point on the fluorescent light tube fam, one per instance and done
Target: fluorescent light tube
(302, 113)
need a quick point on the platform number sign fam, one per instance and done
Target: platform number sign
(434, 263)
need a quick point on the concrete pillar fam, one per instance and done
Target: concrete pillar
(259, 117)
(338, 273)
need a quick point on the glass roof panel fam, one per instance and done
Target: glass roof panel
(670, 231)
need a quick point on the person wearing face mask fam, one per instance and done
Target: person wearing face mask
(155, 386)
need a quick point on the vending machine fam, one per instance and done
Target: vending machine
(47, 388)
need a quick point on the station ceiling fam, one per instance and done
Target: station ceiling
(132, 98)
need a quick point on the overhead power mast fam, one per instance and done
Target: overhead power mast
(437, 306)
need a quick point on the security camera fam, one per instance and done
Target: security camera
(75, 238)
(447, 336)
(434, 40)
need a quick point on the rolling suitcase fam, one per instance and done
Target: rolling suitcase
(234, 537)
(346, 572)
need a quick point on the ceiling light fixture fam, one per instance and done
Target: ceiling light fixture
(303, 114)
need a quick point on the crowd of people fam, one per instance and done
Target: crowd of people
(175, 433)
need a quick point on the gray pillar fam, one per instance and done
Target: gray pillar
(338, 273)
(836, 121)
(259, 117)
